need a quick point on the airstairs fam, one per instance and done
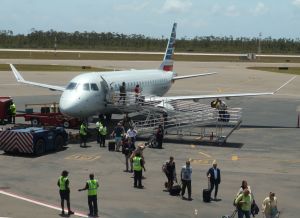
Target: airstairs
(179, 117)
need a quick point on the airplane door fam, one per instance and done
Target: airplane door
(108, 92)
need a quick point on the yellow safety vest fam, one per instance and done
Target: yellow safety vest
(13, 109)
(62, 183)
(93, 186)
(82, 130)
(137, 164)
(103, 130)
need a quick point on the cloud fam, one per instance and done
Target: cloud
(296, 3)
(261, 8)
(176, 6)
(232, 11)
(216, 8)
(134, 6)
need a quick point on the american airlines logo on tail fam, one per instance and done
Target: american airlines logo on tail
(167, 64)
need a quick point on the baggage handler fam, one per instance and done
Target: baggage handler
(64, 191)
(92, 185)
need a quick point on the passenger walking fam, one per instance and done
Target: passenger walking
(170, 171)
(102, 134)
(127, 150)
(137, 91)
(186, 180)
(131, 133)
(118, 133)
(12, 112)
(64, 192)
(269, 206)
(83, 134)
(126, 122)
(138, 166)
(243, 202)
(159, 136)
(92, 185)
(214, 176)
(123, 93)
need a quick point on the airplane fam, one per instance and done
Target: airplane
(85, 95)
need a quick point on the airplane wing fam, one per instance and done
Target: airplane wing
(196, 97)
(22, 80)
(191, 76)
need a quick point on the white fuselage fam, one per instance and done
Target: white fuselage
(85, 94)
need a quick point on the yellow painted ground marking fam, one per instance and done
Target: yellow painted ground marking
(234, 157)
(193, 146)
(83, 157)
(200, 161)
(204, 154)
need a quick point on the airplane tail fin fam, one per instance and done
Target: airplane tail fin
(167, 64)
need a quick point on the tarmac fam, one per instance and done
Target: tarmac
(264, 151)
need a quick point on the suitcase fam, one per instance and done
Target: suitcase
(111, 146)
(175, 190)
(206, 193)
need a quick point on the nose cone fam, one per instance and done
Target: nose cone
(68, 105)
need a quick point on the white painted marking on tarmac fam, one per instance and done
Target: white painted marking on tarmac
(204, 154)
(38, 202)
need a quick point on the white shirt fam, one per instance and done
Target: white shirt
(131, 133)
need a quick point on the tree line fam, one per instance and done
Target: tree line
(51, 39)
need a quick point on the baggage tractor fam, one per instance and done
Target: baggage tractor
(111, 145)
(206, 193)
(175, 190)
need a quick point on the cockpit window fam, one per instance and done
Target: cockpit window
(86, 87)
(94, 87)
(71, 86)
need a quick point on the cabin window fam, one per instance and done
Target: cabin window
(94, 87)
(71, 86)
(86, 87)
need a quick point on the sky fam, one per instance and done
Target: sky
(154, 18)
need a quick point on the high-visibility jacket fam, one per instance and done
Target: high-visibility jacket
(83, 130)
(137, 164)
(13, 109)
(62, 183)
(98, 124)
(93, 186)
(103, 130)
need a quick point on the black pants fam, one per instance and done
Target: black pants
(170, 177)
(138, 178)
(214, 184)
(188, 184)
(159, 141)
(93, 205)
(64, 195)
(102, 140)
(83, 139)
(122, 97)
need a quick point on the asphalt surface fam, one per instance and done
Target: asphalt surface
(264, 151)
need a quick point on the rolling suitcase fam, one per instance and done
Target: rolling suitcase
(206, 194)
(111, 145)
(175, 190)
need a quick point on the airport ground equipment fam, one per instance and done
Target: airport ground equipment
(180, 117)
(33, 140)
(48, 115)
(5, 103)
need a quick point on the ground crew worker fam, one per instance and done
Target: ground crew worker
(83, 134)
(98, 125)
(13, 111)
(64, 191)
(92, 185)
(138, 166)
(102, 134)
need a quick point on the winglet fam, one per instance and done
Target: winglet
(16, 73)
(290, 80)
